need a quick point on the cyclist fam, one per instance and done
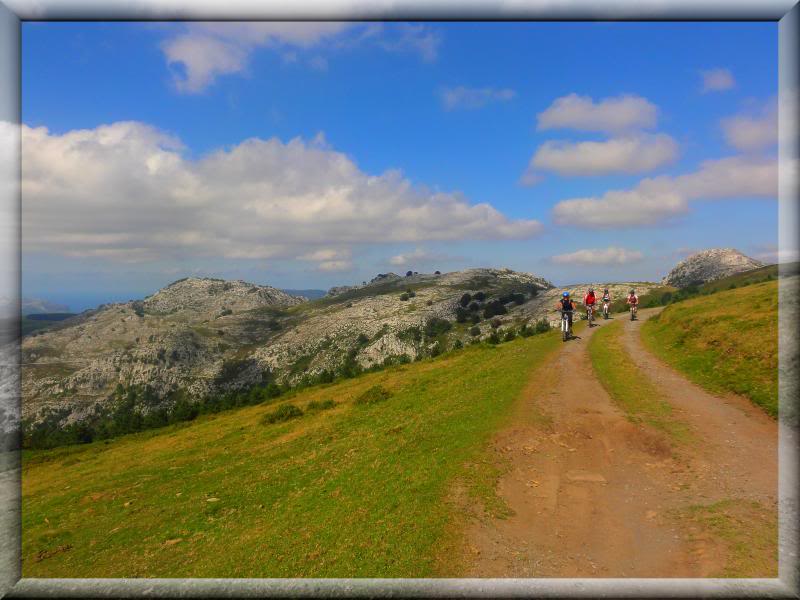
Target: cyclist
(566, 304)
(606, 302)
(589, 301)
(633, 302)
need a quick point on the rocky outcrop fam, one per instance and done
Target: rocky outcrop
(208, 336)
(709, 265)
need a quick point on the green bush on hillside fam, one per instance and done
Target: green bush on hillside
(373, 395)
(285, 412)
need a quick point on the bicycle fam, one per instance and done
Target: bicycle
(566, 327)
(590, 314)
(633, 312)
(606, 308)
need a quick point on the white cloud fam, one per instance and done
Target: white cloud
(662, 199)
(599, 256)
(201, 52)
(126, 192)
(634, 154)
(610, 115)
(415, 38)
(335, 265)
(206, 50)
(717, 80)
(417, 257)
(753, 132)
(472, 98)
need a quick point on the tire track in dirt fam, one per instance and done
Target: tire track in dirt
(738, 454)
(590, 490)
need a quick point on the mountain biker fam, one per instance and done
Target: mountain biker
(589, 300)
(633, 300)
(566, 304)
(606, 301)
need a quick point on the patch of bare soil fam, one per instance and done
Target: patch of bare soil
(592, 494)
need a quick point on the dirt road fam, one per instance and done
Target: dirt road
(594, 495)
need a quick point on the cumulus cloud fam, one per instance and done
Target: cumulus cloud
(599, 256)
(418, 256)
(610, 115)
(633, 154)
(753, 132)
(414, 38)
(717, 80)
(206, 50)
(664, 198)
(201, 52)
(472, 98)
(127, 192)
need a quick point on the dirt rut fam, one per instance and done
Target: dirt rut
(590, 491)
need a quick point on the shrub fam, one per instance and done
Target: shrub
(474, 307)
(436, 326)
(518, 298)
(283, 413)
(666, 297)
(403, 297)
(225, 312)
(495, 323)
(428, 302)
(465, 300)
(320, 404)
(409, 273)
(457, 345)
(526, 331)
(542, 326)
(377, 393)
(479, 296)
(510, 335)
(462, 314)
(411, 293)
(476, 318)
(494, 338)
(493, 308)
(437, 272)
(475, 331)
(362, 339)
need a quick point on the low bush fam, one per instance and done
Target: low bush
(320, 404)
(510, 335)
(377, 393)
(465, 300)
(285, 412)
(494, 338)
(495, 323)
(475, 331)
(436, 326)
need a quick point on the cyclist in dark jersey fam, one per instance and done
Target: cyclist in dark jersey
(566, 304)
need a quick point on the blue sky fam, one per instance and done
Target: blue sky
(601, 151)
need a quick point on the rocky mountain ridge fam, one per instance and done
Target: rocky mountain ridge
(709, 265)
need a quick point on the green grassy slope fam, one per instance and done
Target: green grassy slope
(725, 341)
(357, 490)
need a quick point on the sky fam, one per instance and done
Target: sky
(307, 155)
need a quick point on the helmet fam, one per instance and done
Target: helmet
(565, 295)
(606, 290)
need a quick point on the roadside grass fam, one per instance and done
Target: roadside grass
(630, 387)
(747, 529)
(351, 491)
(725, 342)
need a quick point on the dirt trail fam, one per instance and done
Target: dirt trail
(738, 455)
(590, 491)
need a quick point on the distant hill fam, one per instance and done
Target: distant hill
(310, 294)
(709, 265)
(32, 306)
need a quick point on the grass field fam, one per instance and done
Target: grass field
(629, 387)
(356, 490)
(726, 341)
